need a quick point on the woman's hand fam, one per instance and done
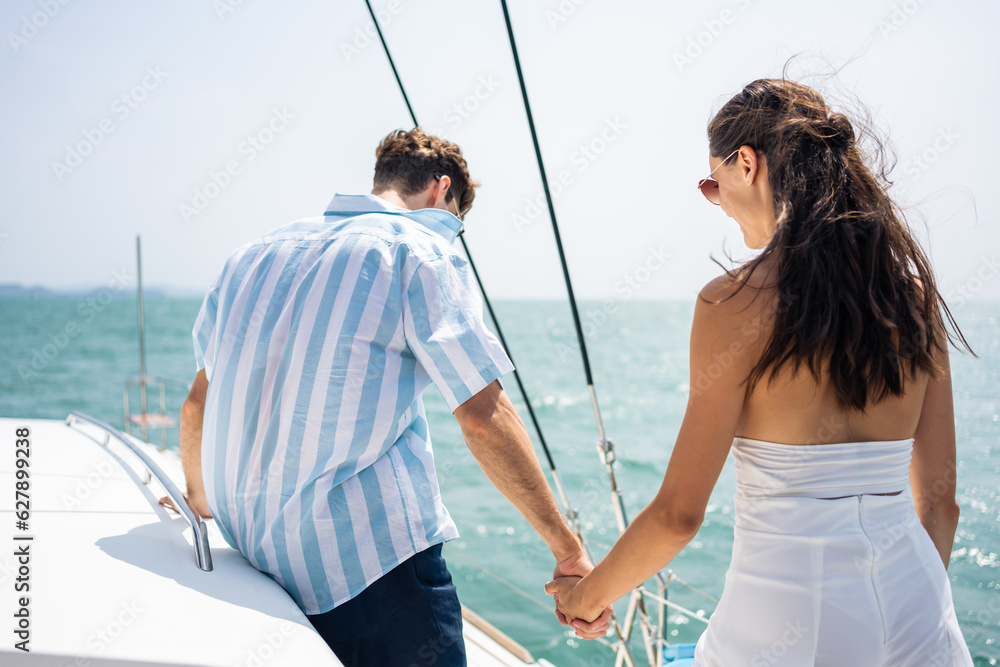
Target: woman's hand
(575, 565)
(569, 604)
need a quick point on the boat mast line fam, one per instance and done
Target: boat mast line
(605, 446)
(142, 333)
(392, 64)
(570, 513)
(622, 649)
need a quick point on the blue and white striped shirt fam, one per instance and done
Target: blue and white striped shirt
(317, 340)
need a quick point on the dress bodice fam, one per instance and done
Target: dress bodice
(770, 469)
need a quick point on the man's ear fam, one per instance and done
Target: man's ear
(433, 195)
(441, 191)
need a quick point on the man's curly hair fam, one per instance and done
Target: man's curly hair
(409, 159)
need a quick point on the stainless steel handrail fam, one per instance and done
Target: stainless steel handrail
(202, 553)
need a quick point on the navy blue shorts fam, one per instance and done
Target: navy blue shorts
(410, 617)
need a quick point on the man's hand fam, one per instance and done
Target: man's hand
(578, 565)
(497, 439)
(198, 505)
(569, 604)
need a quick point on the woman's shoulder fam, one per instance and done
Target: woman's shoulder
(752, 286)
(733, 318)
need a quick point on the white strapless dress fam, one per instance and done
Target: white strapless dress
(853, 582)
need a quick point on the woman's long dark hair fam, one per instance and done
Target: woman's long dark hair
(854, 288)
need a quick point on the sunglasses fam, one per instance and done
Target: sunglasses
(456, 197)
(709, 186)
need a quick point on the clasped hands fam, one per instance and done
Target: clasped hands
(570, 609)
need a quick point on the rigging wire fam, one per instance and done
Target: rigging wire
(674, 605)
(673, 577)
(622, 649)
(605, 446)
(392, 64)
(572, 516)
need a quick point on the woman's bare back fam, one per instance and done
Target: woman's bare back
(795, 409)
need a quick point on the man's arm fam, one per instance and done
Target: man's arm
(192, 414)
(498, 440)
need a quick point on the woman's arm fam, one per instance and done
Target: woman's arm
(933, 470)
(723, 349)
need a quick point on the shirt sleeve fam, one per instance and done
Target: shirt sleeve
(443, 325)
(204, 332)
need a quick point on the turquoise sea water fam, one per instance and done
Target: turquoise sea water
(68, 353)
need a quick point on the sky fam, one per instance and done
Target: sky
(202, 125)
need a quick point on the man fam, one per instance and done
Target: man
(305, 419)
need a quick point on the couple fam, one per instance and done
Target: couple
(304, 433)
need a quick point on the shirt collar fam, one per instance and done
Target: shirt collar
(438, 221)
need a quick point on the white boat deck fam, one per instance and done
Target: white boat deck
(113, 578)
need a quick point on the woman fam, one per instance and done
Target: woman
(823, 364)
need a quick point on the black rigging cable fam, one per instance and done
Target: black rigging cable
(548, 200)
(605, 446)
(392, 64)
(475, 271)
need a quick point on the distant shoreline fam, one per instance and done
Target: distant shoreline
(18, 291)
